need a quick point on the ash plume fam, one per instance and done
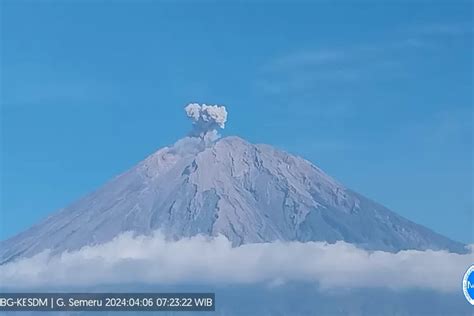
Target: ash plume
(207, 119)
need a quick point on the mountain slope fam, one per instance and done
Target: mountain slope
(250, 193)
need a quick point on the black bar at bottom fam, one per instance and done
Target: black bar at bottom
(107, 302)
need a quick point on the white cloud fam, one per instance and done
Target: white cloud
(446, 28)
(154, 260)
(304, 59)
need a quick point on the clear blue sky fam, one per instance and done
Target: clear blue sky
(378, 95)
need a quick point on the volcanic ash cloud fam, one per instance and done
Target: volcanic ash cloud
(206, 118)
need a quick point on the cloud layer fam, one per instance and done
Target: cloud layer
(154, 260)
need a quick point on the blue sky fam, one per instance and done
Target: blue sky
(377, 95)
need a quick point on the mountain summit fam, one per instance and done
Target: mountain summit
(250, 193)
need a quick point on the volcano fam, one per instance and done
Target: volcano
(250, 193)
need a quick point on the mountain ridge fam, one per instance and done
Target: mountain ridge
(247, 192)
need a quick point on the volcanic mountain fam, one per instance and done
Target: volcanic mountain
(250, 193)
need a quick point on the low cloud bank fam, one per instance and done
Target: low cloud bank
(155, 260)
